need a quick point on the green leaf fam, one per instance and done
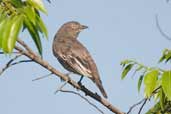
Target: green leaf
(140, 82)
(2, 27)
(155, 109)
(34, 33)
(38, 4)
(41, 26)
(162, 98)
(5, 33)
(126, 70)
(17, 3)
(30, 13)
(150, 81)
(166, 56)
(156, 96)
(2, 16)
(166, 83)
(124, 62)
(139, 68)
(162, 59)
(14, 32)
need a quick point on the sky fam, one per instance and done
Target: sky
(118, 30)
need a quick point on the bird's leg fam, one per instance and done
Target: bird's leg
(79, 82)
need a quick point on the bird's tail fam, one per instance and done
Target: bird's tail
(100, 86)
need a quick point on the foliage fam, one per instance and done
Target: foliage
(157, 82)
(18, 14)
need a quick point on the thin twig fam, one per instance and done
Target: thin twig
(42, 77)
(133, 106)
(160, 30)
(142, 106)
(60, 88)
(12, 53)
(67, 91)
(9, 63)
(22, 61)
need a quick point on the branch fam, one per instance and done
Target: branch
(60, 89)
(12, 53)
(133, 106)
(36, 58)
(142, 106)
(160, 30)
(22, 61)
(9, 63)
(73, 92)
(42, 77)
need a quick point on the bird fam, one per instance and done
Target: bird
(73, 55)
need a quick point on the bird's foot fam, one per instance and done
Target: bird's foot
(79, 83)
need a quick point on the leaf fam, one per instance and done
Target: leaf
(156, 96)
(2, 16)
(2, 27)
(150, 81)
(140, 82)
(166, 56)
(163, 55)
(124, 62)
(29, 11)
(162, 59)
(139, 68)
(14, 31)
(126, 70)
(162, 98)
(155, 109)
(17, 3)
(5, 33)
(34, 33)
(166, 84)
(41, 26)
(38, 4)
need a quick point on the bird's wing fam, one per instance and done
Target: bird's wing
(80, 60)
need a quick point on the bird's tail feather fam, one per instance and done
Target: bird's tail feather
(100, 86)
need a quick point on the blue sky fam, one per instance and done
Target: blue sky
(118, 30)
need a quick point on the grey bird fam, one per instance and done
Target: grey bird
(73, 56)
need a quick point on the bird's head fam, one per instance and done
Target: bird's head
(72, 28)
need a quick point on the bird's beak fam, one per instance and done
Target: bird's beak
(84, 27)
